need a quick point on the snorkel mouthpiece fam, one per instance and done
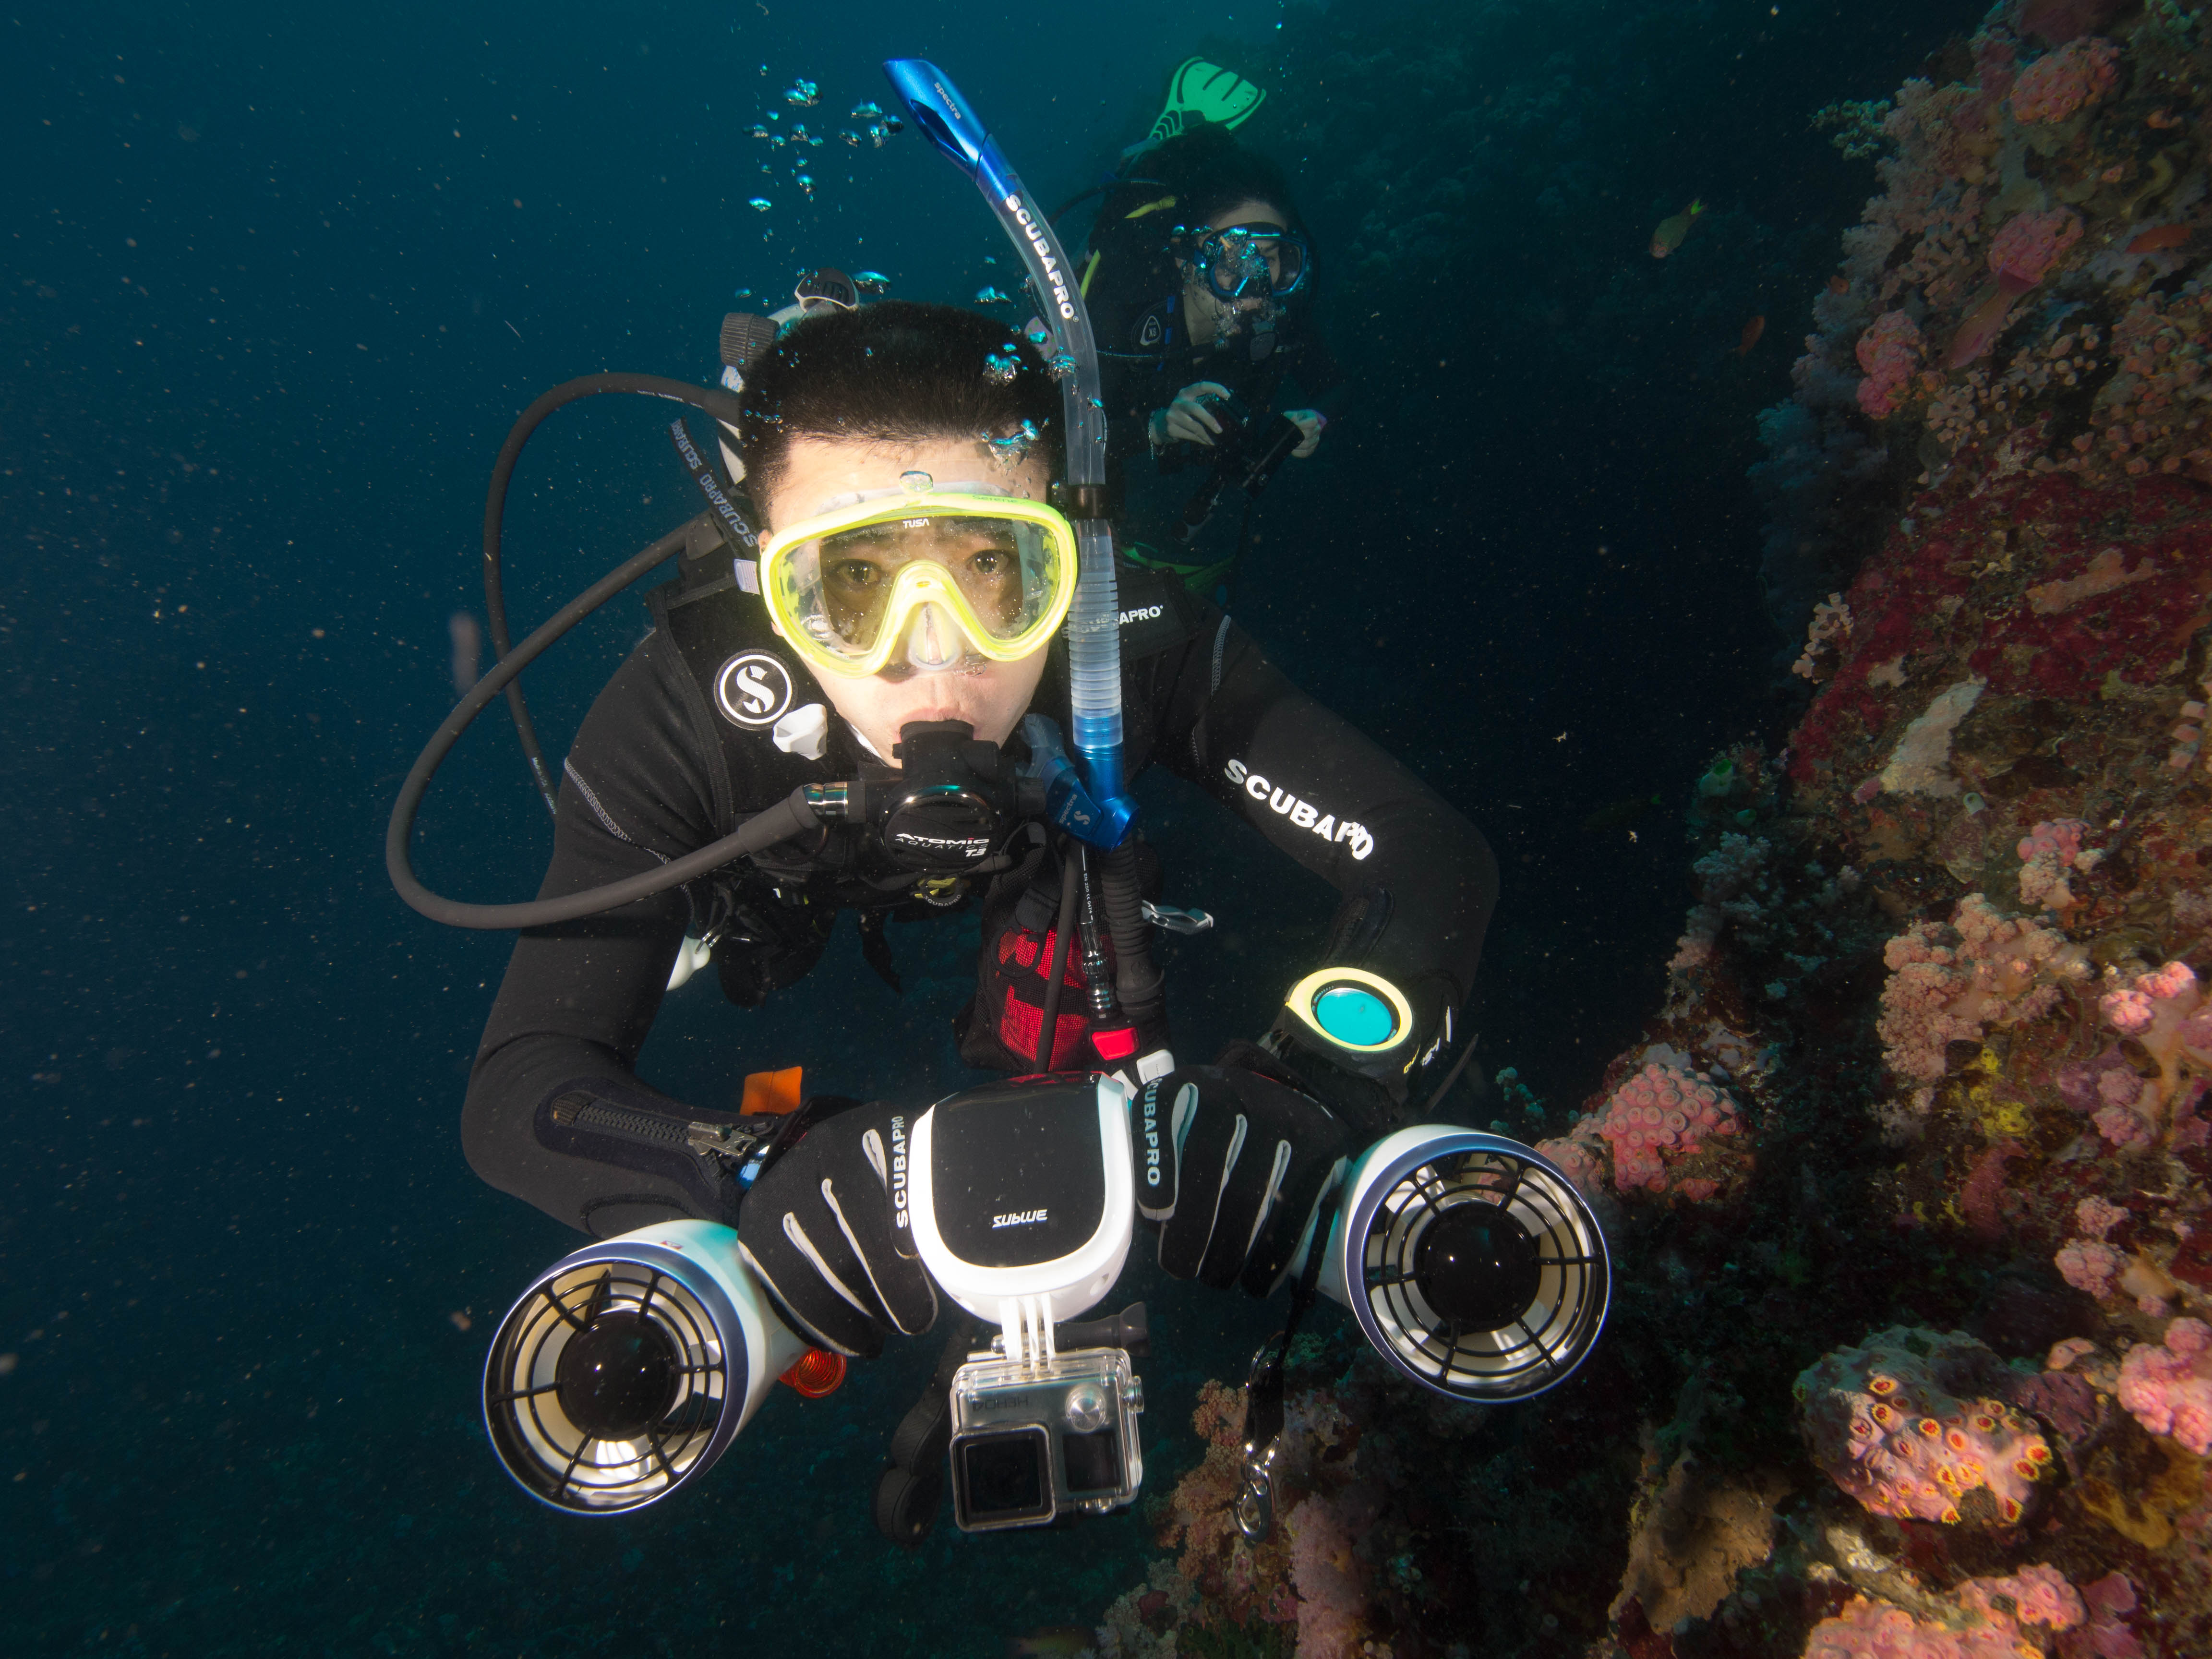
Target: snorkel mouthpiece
(1094, 634)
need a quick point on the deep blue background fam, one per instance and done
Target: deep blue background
(275, 284)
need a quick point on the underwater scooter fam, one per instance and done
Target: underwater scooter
(1472, 1265)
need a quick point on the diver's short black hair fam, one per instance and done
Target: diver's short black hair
(893, 371)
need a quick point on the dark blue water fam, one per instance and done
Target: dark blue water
(276, 282)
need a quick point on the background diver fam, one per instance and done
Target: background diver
(913, 584)
(1198, 273)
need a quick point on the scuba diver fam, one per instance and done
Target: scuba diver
(1198, 273)
(905, 625)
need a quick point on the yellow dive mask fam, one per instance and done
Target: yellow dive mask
(933, 577)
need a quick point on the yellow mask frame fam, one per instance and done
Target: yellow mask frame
(792, 590)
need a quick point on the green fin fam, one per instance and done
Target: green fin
(1199, 91)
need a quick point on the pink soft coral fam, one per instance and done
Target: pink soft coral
(1889, 352)
(2089, 1265)
(2031, 243)
(1331, 1591)
(2163, 1011)
(2056, 85)
(1659, 1116)
(2047, 852)
(2169, 1389)
(2000, 972)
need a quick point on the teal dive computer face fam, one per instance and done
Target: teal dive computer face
(1354, 1016)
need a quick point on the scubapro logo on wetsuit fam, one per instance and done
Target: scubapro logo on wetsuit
(1142, 613)
(752, 689)
(1303, 814)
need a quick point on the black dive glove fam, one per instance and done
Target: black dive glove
(1231, 1165)
(826, 1228)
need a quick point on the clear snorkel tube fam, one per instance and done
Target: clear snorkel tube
(1094, 637)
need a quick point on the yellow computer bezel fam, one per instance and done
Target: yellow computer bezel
(1301, 1003)
(923, 581)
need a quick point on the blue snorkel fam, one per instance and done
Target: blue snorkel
(1101, 817)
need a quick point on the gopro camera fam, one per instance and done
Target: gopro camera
(1034, 1440)
(1022, 1207)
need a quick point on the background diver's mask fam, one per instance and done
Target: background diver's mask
(1257, 261)
(927, 576)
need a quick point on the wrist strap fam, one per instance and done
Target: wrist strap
(1263, 1390)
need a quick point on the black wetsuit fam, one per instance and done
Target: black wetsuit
(707, 722)
(1143, 370)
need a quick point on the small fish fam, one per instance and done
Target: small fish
(799, 132)
(744, 294)
(870, 112)
(761, 205)
(802, 92)
(1621, 814)
(1751, 329)
(894, 125)
(2159, 237)
(759, 129)
(1839, 285)
(871, 282)
(990, 297)
(468, 659)
(1052, 1642)
(805, 182)
(851, 137)
(1670, 235)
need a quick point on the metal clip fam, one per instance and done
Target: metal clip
(1177, 921)
(1255, 1497)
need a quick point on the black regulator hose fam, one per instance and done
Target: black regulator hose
(711, 400)
(788, 817)
(1138, 983)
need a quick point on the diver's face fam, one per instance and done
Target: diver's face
(1211, 318)
(991, 696)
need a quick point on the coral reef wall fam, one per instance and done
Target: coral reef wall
(1906, 1179)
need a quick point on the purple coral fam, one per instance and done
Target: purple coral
(1882, 1422)
(2169, 1389)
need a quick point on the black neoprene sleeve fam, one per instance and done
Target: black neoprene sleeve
(578, 1000)
(1325, 793)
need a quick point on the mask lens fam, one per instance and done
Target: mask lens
(1247, 260)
